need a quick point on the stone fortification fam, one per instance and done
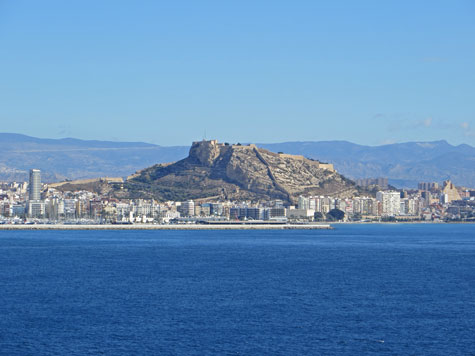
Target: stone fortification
(237, 172)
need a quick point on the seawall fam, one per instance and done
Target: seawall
(168, 227)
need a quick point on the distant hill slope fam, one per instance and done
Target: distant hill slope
(404, 163)
(76, 159)
(235, 172)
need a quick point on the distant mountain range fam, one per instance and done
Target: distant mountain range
(404, 164)
(69, 158)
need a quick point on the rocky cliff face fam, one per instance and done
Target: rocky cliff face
(219, 171)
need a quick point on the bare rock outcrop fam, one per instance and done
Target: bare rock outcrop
(205, 152)
(237, 172)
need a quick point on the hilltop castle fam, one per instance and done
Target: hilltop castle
(207, 151)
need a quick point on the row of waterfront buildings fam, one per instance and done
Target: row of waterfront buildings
(20, 202)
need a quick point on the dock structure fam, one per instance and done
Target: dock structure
(223, 226)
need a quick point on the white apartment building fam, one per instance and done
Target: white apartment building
(390, 202)
(303, 203)
(188, 208)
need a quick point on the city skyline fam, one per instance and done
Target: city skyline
(369, 73)
(214, 177)
(231, 186)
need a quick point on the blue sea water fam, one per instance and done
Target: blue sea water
(355, 290)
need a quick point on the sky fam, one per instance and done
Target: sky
(172, 72)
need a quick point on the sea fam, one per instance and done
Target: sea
(363, 289)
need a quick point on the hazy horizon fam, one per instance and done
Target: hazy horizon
(242, 142)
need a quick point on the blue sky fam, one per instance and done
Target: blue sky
(168, 72)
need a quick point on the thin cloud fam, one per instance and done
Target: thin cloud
(467, 129)
(399, 125)
(427, 122)
(424, 124)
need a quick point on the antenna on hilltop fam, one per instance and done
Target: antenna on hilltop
(204, 136)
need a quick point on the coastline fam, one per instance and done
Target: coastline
(12, 227)
(399, 222)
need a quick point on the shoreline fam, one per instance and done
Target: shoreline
(184, 227)
(399, 222)
(12, 227)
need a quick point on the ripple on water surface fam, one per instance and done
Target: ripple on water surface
(358, 289)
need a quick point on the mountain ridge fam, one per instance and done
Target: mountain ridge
(70, 158)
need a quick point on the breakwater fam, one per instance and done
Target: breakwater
(168, 227)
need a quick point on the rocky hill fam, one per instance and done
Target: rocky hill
(213, 170)
(405, 164)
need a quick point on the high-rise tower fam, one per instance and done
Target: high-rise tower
(35, 184)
